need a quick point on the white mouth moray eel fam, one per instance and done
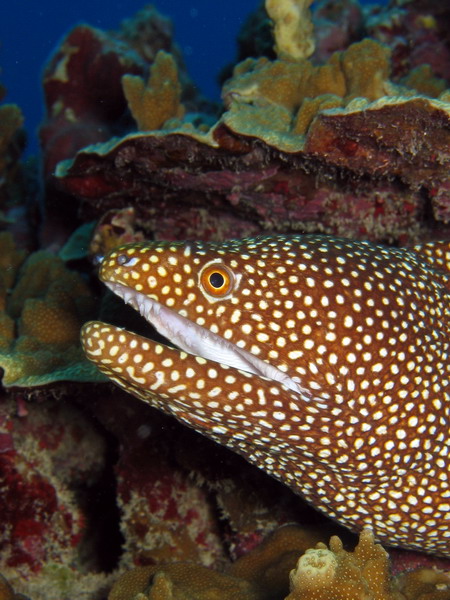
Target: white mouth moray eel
(323, 361)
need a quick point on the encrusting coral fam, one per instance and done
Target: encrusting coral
(159, 100)
(180, 581)
(361, 71)
(43, 306)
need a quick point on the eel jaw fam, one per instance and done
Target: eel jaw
(197, 340)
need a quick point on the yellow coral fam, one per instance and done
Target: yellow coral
(160, 100)
(310, 107)
(180, 581)
(268, 566)
(293, 31)
(366, 67)
(423, 81)
(42, 308)
(322, 573)
(335, 574)
(287, 95)
(268, 82)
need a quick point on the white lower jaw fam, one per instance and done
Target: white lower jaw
(194, 339)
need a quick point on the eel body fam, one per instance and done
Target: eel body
(323, 361)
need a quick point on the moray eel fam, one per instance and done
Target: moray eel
(322, 361)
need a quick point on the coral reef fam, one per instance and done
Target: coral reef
(423, 584)
(260, 575)
(179, 504)
(155, 103)
(50, 455)
(166, 515)
(401, 180)
(43, 306)
(334, 573)
(182, 581)
(417, 33)
(85, 98)
(82, 82)
(343, 149)
(352, 140)
(321, 573)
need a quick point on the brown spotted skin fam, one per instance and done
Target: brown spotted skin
(365, 328)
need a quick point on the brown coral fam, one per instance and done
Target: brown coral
(293, 30)
(322, 573)
(156, 102)
(260, 575)
(180, 581)
(43, 307)
(335, 574)
(424, 584)
(360, 71)
(363, 171)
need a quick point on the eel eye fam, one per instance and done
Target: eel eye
(217, 280)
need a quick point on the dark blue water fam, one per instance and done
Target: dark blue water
(30, 30)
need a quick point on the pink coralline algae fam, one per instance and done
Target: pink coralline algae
(48, 451)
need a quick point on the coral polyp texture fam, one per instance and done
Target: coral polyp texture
(42, 307)
(263, 574)
(155, 103)
(334, 574)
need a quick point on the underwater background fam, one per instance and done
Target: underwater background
(210, 121)
(29, 32)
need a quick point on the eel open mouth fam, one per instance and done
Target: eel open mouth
(197, 340)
